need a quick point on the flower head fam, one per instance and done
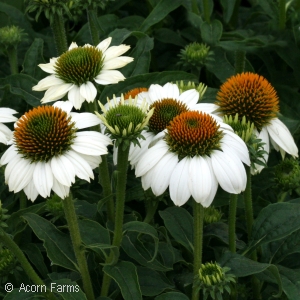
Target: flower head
(48, 151)
(196, 154)
(253, 97)
(7, 262)
(75, 71)
(212, 215)
(10, 36)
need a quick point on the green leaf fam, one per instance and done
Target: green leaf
(180, 225)
(33, 57)
(57, 244)
(125, 275)
(160, 11)
(152, 283)
(20, 295)
(290, 282)
(172, 296)
(21, 85)
(169, 36)
(275, 222)
(211, 32)
(228, 8)
(144, 81)
(143, 228)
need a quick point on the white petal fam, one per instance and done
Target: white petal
(171, 90)
(21, 175)
(117, 62)
(84, 120)
(61, 190)
(64, 105)
(93, 161)
(82, 168)
(114, 51)
(6, 115)
(150, 158)
(75, 97)
(156, 92)
(205, 107)
(214, 185)
(73, 46)
(49, 68)
(200, 182)
(3, 138)
(31, 191)
(190, 97)
(162, 172)
(56, 92)
(109, 76)
(63, 170)
(104, 44)
(88, 91)
(229, 172)
(10, 166)
(282, 137)
(47, 82)
(179, 182)
(43, 178)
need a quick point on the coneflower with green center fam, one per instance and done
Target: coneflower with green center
(252, 96)
(48, 151)
(196, 155)
(76, 69)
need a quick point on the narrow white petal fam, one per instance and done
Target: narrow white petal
(64, 105)
(3, 138)
(47, 82)
(61, 190)
(155, 92)
(75, 97)
(104, 44)
(6, 115)
(171, 91)
(282, 137)
(229, 171)
(10, 166)
(84, 120)
(162, 172)
(21, 175)
(88, 91)
(82, 168)
(43, 178)
(6, 131)
(150, 158)
(200, 182)
(205, 107)
(114, 51)
(31, 191)
(146, 180)
(63, 170)
(190, 97)
(117, 62)
(109, 76)
(92, 160)
(56, 92)
(73, 46)
(179, 182)
(49, 68)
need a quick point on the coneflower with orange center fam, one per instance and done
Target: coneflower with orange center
(48, 151)
(252, 96)
(196, 155)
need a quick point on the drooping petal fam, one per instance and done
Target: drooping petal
(84, 120)
(43, 178)
(61, 190)
(93, 161)
(190, 97)
(200, 182)
(109, 76)
(88, 91)
(117, 62)
(229, 172)
(63, 170)
(30, 191)
(75, 97)
(115, 51)
(47, 82)
(150, 158)
(179, 182)
(56, 92)
(282, 137)
(10, 166)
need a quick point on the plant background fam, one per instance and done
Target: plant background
(156, 257)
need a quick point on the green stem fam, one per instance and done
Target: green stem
(231, 222)
(206, 11)
(282, 14)
(151, 207)
(73, 226)
(13, 247)
(239, 61)
(198, 242)
(120, 203)
(13, 59)
(92, 18)
(59, 33)
(249, 223)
